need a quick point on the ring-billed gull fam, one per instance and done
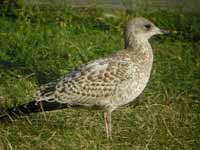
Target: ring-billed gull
(106, 83)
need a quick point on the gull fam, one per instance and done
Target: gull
(106, 83)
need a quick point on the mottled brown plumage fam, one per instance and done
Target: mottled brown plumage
(109, 82)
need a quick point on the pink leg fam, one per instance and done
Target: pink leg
(107, 122)
(105, 115)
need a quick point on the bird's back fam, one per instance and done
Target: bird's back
(106, 83)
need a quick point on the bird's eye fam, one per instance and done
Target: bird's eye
(147, 26)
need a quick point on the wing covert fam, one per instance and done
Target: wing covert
(96, 80)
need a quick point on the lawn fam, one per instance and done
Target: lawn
(40, 44)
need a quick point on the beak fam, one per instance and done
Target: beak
(168, 31)
(164, 31)
(161, 31)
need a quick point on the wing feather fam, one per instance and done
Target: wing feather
(90, 84)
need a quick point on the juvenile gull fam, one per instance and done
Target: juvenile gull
(106, 83)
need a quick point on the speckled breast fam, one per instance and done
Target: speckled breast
(130, 89)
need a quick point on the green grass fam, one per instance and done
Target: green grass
(40, 45)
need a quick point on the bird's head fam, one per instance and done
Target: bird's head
(142, 29)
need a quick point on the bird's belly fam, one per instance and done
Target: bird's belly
(129, 90)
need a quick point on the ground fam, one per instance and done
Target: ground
(40, 44)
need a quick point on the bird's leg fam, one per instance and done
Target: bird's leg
(107, 122)
(105, 116)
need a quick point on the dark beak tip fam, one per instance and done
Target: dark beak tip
(169, 32)
(165, 31)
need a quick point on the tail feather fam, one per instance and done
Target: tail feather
(33, 107)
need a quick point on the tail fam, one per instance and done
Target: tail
(34, 107)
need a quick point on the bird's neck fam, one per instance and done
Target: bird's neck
(138, 44)
(140, 48)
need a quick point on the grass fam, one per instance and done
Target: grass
(38, 45)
